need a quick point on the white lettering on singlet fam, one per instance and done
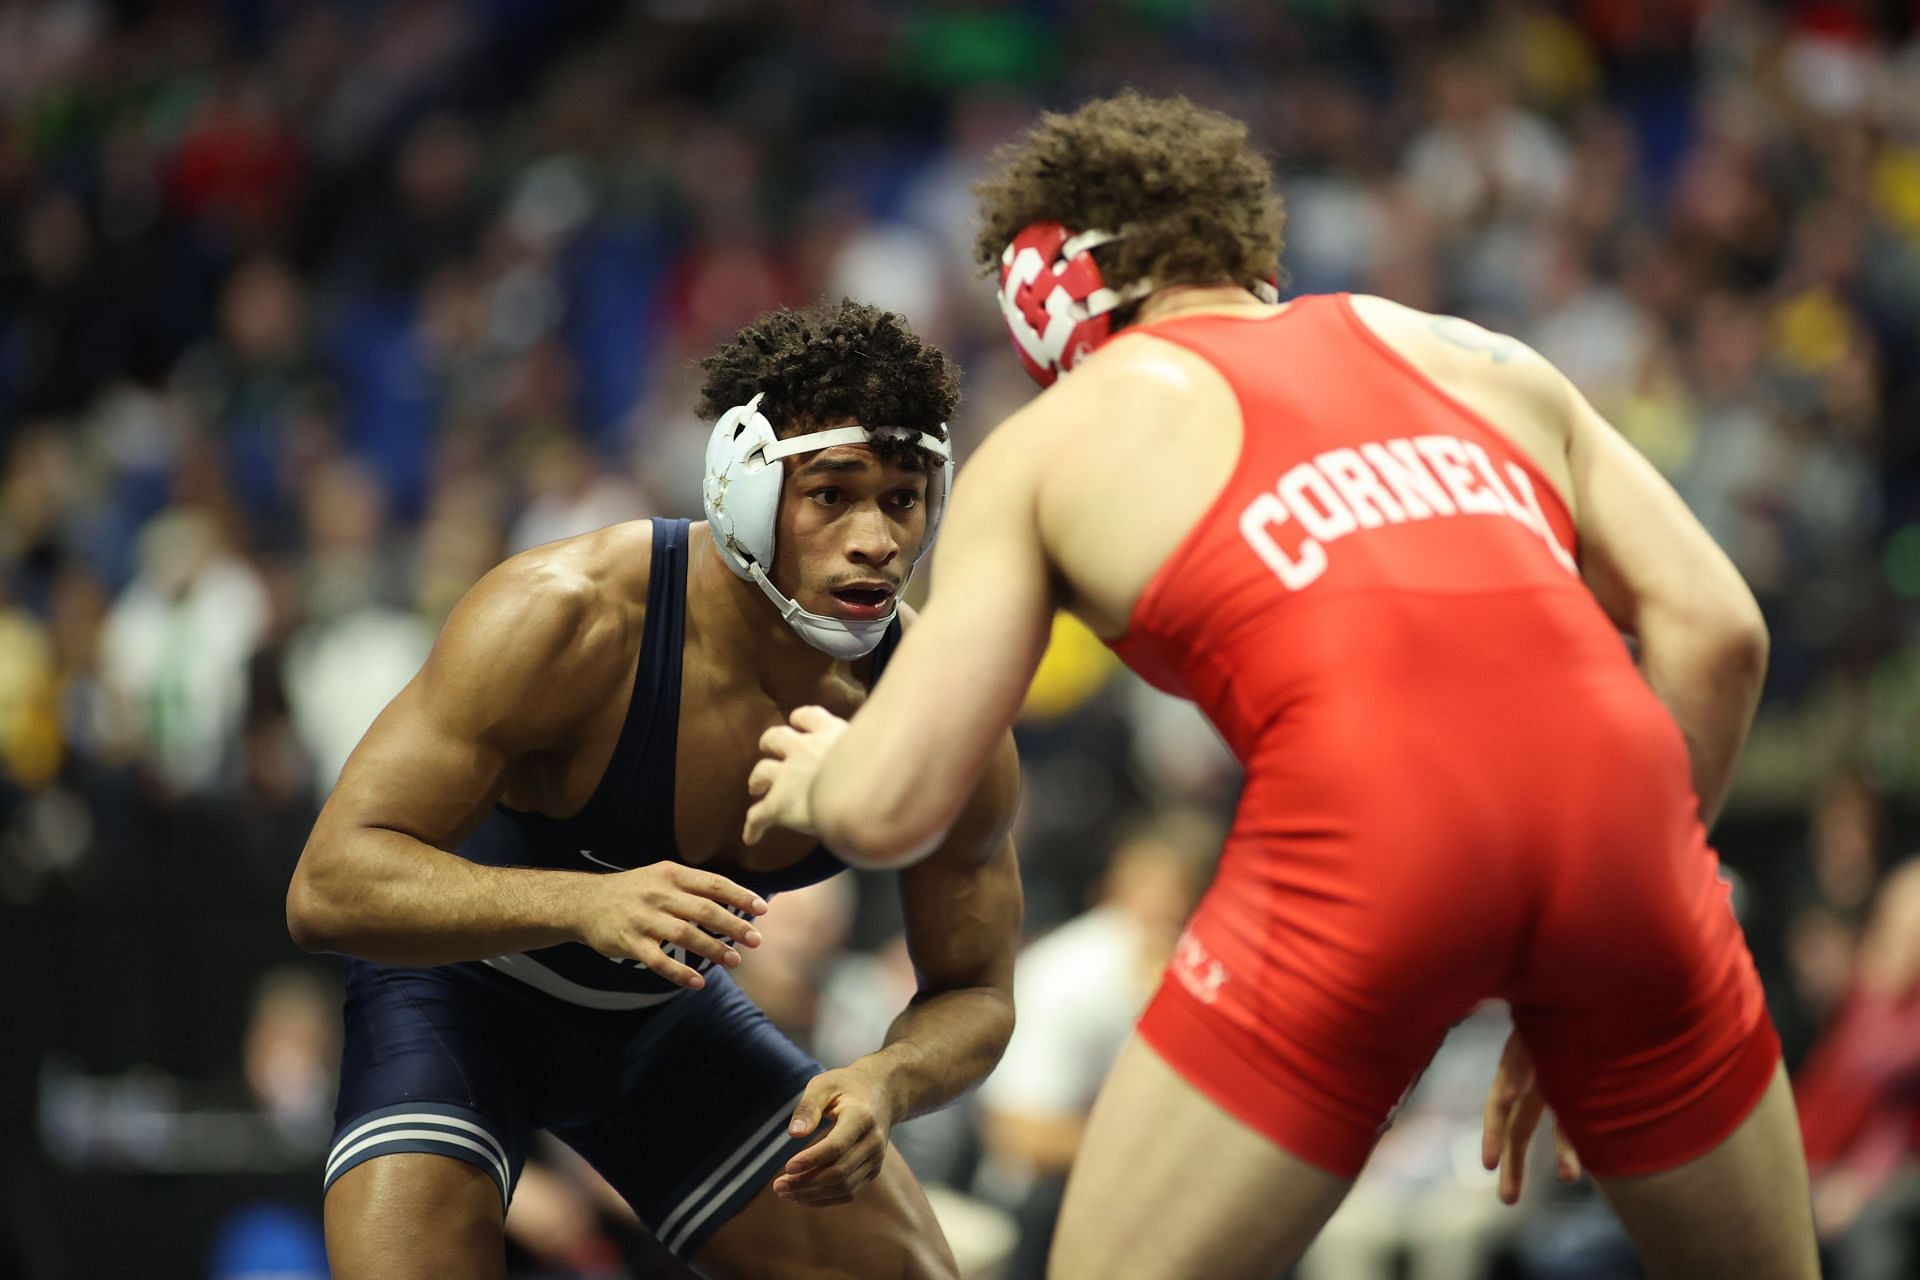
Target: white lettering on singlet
(1308, 563)
(1448, 457)
(1314, 503)
(1343, 491)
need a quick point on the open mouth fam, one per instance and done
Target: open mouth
(864, 602)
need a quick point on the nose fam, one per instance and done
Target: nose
(870, 539)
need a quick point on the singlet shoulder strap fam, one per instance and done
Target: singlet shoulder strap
(883, 652)
(652, 724)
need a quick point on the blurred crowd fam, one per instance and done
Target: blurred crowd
(313, 310)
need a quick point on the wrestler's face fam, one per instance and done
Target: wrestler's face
(850, 526)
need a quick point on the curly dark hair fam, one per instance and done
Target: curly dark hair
(835, 360)
(1196, 200)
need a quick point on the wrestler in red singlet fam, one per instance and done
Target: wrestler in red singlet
(1408, 666)
(1347, 529)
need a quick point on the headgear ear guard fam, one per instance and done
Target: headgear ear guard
(1057, 306)
(741, 492)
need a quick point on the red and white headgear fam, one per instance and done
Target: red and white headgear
(1058, 309)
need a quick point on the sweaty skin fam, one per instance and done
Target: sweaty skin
(522, 702)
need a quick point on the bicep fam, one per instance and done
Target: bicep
(423, 769)
(491, 689)
(1644, 555)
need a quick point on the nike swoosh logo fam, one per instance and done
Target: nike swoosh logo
(588, 855)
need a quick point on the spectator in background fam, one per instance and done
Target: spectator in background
(1841, 872)
(291, 1051)
(1078, 991)
(177, 645)
(1859, 1098)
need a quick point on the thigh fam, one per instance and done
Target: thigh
(888, 1229)
(1640, 1005)
(430, 1065)
(1739, 1212)
(413, 1215)
(1168, 1186)
(700, 1124)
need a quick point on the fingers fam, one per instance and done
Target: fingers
(654, 957)
(1566, 1161)
(813, 719)
(838, 1179)
(1493, 1119)
(716, 919)
(842, 1140)
(1513, 1169)
(760, 781)
(1512, 1076)
(719, 889)
(697, 941)
(778, 741)
(812, 1105)
(759, 820)
(837, 1186)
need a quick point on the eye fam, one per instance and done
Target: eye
(906, 499)
(827, 497)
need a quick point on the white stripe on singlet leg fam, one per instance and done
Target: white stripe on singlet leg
(721, 1196)
(383, 1128)
(437, 1135)
(420, 1117)
(727, 1166)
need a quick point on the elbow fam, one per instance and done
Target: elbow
(875, 828)
(1745, 646)
(307, 917)
(875, 841)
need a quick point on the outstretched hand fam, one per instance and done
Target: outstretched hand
(783, 780)
(1513, 1111)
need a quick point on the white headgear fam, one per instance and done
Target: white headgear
(741, 491)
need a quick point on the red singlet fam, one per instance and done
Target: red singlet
(1458, 786)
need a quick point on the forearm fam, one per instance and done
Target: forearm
(384, 896)
(1710, 683)
(869, 820)
(940, 1046)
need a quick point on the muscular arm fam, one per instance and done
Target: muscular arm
(899, 776)
(1662, 579)
(962, 907)
(375, 879)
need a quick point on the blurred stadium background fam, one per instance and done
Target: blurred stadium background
(311, 310)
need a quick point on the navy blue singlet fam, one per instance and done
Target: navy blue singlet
(628, 821)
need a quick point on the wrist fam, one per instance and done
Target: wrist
(564, 909)
(883, 1068)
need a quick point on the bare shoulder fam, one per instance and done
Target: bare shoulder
(1131, 398)
(545, 636)
(1137, 379)
(1455, 352)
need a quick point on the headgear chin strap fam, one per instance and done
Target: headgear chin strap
(741, 492)
(1057, 307)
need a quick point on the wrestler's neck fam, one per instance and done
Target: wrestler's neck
(727, 614)
(1201, 299)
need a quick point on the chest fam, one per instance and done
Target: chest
(678, 785)
(716, 748)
